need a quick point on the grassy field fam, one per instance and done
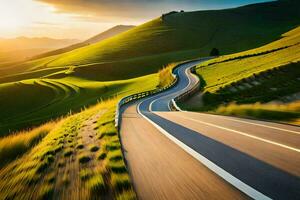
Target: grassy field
(268, 73)
(17, 144)
(231, 68)
(180, 36)
(79, 159)
(31, 102)
(289, 112)
(81, 156)
(165, 75)
(273, 84)
(78, 78)
(97, 38)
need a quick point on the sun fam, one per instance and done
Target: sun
(11, 16)
(10, 20)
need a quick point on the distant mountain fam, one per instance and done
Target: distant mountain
(170, 38)
(20, 48)
(22, 43)
(108, 33)
(97, 38)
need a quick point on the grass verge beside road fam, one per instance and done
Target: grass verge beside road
(72, 161)
(37, 101)
(80, 158)
(17, 144)
(262, 75)
(166, 77)
(289, 113)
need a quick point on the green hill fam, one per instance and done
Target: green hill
(97, 38)
(82, 152)
(34, 101)
(264, 74)
(176, 36)
(36, 91)
(18, 49)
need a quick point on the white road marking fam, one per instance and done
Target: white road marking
(244, 134)
(248, 190)
(173, 100)
(151, 104)
(262, 125)
(177, 107)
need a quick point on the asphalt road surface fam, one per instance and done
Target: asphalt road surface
(187, 155)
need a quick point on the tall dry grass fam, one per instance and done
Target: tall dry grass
(17, 144)
(289, 112)
(166, 77)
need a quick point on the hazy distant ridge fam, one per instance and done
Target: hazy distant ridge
(22, 43)
(97, 38)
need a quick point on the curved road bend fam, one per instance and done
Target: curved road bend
(261, 159)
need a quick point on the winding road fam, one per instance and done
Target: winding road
(188, 155)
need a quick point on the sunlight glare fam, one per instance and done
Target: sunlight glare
(11, 16)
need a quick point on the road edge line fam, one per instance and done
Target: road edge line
(173, 100)
(243, 134)
(243, 187)
(262, 125)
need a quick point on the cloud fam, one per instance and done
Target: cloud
(104, 9)
(45, 23)
(113, 10)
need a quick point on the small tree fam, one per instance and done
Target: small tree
(214, 52)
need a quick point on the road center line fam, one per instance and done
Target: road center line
(240, 185)
(262, 125)
(171, 94)
(244, 134)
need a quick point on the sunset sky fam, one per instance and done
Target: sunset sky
(81, 19)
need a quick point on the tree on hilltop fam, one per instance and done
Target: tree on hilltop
(214, 52)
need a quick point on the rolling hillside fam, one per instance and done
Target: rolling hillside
(22, 43)
(264, 74)
(80, 77)
(21, 48)
(58, 138)
(35, 101)
(178, 36)
(77, 157)
(97, 38)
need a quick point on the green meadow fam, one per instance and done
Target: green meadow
(261, 75)
(227, 69)
(288, 112)
(34, 101)
(57, 133)
(69, 162)
(175, 37)
(35, 91)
